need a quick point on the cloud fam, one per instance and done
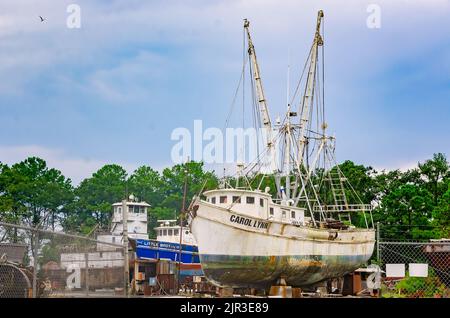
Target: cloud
(403, 166)
(172, 61)
(129, 80)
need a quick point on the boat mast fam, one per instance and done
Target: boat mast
(287, 152)
(307, 102)
(267, 124)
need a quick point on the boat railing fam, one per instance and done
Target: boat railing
(343, 208)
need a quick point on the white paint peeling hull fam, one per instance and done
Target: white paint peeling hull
(255, 255)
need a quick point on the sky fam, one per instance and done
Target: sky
(113, 90)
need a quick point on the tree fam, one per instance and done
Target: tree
(441, 214)
(6, 202)
(361, 180)
(95, 196)
(34, 191)
(386, 182)
(434, 172)
(405, 213)
(145, 183)
(173, 180)
(172, 187)
(408, 204)
(33, 194)
(159, 213)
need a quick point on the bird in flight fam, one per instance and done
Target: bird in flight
(42, 19)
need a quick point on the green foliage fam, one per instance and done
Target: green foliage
(408, 205)
(145, 183)
(173, 180)
(420, 287)
(49, 253)
(414, 204)
(30, 190)
(159, 213)
(261, 181)
(441, 214)
(361, 180)
(434, 171)
(96, 194)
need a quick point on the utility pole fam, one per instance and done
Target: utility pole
(183, 210)
(35, 261)
(125, 247)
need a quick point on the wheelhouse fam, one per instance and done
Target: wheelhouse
(256, 204)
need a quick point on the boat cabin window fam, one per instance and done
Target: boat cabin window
(120, 209)
(213, 200)
(169, 232)
(250, 200)
(293, 214)
(135, 209)
(271, 211)
(236, 199)
(283, 213)
(164, 232)
(175, 232)
(223, 199)
(261, 202)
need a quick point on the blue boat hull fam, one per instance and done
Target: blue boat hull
(158, 250)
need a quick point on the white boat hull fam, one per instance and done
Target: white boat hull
(241, 251)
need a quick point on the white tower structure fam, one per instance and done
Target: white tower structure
(137, 222)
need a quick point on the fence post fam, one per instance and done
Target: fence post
(86, 272)
(125, 247)
(378, 243)
(35, 262)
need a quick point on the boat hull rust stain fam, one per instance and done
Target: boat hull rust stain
(260, 271)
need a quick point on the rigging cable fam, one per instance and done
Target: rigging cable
(235, 96)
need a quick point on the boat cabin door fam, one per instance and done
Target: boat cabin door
(263, 208)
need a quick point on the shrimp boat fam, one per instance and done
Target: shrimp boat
(311, 226)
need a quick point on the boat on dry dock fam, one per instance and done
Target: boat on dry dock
(173, 243)
(305, 231)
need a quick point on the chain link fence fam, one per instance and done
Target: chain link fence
(39, 263)
(415, 268)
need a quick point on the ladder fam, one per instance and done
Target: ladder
(337, 180)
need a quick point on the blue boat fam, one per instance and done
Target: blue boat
(165, 247)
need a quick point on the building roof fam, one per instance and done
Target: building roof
(143, 203)
(15, 252)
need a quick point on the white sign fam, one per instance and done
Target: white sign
(418, 270)
(395, 270)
